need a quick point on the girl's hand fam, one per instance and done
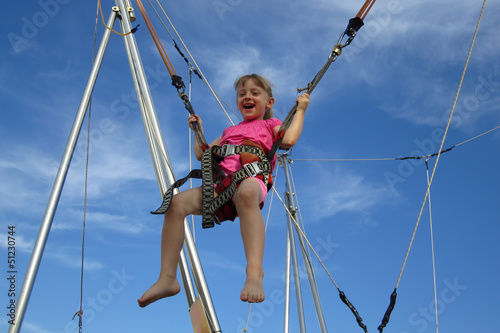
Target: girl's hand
(192, 119)
(303, 102)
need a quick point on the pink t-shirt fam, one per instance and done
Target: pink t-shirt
(258, 131)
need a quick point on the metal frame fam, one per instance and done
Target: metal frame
(165, 176)
(161, 162)
(291, 257)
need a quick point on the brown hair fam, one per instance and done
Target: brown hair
(261, 82)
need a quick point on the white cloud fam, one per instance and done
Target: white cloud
(342, 191)
(33, 328)
(72, 219)
(22, 244)
(71, 258)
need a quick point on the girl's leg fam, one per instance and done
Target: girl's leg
(172, 239)
(247, 200)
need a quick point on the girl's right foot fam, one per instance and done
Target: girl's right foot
(161, 289)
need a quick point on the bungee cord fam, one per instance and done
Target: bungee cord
(442, 143)
(365, 9)
(198, 70)
(176, 80)
(342, 295)
(394, 293)
(351, 31)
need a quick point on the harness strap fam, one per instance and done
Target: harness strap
(211, 204)
(207, 189)
(210, 171)
(228, 150)
(249, 170)
(167, 197)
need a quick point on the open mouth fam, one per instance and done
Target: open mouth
(248, 106)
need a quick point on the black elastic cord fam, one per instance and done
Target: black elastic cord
(344, 299)
(388, 312)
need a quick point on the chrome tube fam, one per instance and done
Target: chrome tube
(291, 213)
(163, 165)
(307, 262)
(143, 95)
(36, 256)
(286, 321)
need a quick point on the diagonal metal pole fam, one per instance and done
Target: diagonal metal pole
(36, 256)
(143, 100)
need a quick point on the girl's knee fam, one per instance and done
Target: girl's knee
(247, 196)
(185, 203)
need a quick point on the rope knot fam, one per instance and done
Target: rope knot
(78, 313)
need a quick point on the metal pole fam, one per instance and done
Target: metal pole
(307, 262)
(156, 157)
(291, 208)
(287, 283)
(160, 150)
(36, 257)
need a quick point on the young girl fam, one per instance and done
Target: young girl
(255, 101)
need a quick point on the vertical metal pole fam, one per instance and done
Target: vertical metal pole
(36, 257)
(287, 283)
(158, 150)
(291, 238)
(307, 262)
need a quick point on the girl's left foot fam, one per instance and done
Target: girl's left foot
(253, 290)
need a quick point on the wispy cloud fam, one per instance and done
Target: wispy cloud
(72, 258)
(72, 219)
(34, 328)
(342, 191)
(22, 244)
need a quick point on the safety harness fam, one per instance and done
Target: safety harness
(219, 208)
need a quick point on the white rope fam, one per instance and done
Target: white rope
(217, 97)
(432, 250)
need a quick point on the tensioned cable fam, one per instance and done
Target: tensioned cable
(217, 97)
(275, 181)
(341, 293)
(79, 313)
(343, 159)
(477, 136)
(156, 39)
(305, 237)
(432, 248)
(393, 158)
(442, 143)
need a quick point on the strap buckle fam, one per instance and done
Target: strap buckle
(252, 169)
(227, 150)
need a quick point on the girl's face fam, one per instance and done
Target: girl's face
(253, 100)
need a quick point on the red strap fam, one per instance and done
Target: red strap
(279, 135)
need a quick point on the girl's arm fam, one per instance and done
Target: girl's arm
(293, 132)
(196, 145)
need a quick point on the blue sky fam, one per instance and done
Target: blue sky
(388, 95)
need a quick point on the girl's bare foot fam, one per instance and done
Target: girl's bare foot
(165, 287)
(253, 290)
